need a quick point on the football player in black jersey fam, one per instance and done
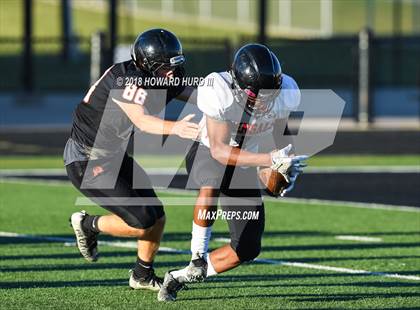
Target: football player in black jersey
(96, 151)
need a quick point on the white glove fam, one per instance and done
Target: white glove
(285, 163)
(292, 179)
(295, 171)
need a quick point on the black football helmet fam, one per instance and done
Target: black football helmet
(159, 52)
(256, 75)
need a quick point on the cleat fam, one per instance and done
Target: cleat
(87, 243)
(196, 270)
(152, 282)
(170, 288)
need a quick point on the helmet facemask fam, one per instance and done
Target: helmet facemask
(174, 68)
(255, 102)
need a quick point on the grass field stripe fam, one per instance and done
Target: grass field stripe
(130, 245)
(363, 169)
(23, 181)
(337, 269)
(34, 237)
(346, 204)
(71, 242)
(182, 171)
(313, 201)
(358, 238)
(309, 201)
(33, 172)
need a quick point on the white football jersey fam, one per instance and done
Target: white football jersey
(215, 99)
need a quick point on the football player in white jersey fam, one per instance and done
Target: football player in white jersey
(239, 109)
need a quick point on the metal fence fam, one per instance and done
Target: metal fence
(51, 72)
(315, 63)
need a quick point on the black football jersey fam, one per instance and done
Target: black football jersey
(98, 117)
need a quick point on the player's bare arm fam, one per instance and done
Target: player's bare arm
(154, 125)
(219, 135)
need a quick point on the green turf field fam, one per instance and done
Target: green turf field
(43, 162)
(36, 274)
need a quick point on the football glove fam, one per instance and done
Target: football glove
(292, 179)
(286, 164)
(295, 171)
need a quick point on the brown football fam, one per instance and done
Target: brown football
(273, 181)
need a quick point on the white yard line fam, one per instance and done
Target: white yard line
(340, 237)
(133, 245)
(224, 240)
(338, 269)
(358, 238)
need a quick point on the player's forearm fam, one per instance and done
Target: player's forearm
(228, 155)
(147, 123)
(154, 125)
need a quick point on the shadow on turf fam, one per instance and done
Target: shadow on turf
(208, 285)
(311, 297)
(375, 284)
(341, 246)
(274, 277)
(35, 239)
(66, 255)
(50, 284)
(87, 266)
(345, 258)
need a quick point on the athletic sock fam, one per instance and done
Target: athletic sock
(90, 224)
(210, 268)
(143, 269)
(200, 240)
